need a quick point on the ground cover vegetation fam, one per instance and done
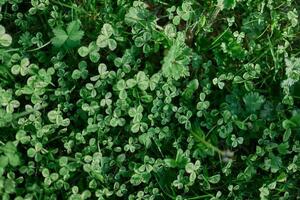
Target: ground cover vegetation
(153, 99)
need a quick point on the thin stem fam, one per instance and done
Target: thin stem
(209, 145)
(263, 32)
(30, 50)
(12, 50)
(200, 197)
(38, 48)
(220, 36)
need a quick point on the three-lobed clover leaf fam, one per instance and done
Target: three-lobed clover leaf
(136, 113)
(235, 141)
(10, 155)
(137, 13)
(184, 12)
(22, 68)
(104, 39)
(170, 31)
(142, 80)
(55, 117)
(82, 72)
(192, 169)
(22, 137)
(91, 50)
(142, 41)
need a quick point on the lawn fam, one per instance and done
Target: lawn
(149, 99)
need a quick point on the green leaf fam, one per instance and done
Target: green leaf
(135, 127)
(293, 122)
(145, 140)
(74, 32)
(131, 83)
(60, 37)
(64, 122)
(31, 152)
(94, 56)
(102, 41)
(83, 51)
(283, 148)
(63, 161)
(2, 30)
(53, 115)
(9, 186)
(214, 179)
(189, 168)
(286, 124)
(70, 38)
(176, 20)
(190, 89)
(154, 80)
(147, 98)
(112, 44)
(181, 159)
(175, 63)
(121, 85)
(286, 135)
(136, 179)
(253, 101)
(102, 69)
(227, 4)
(142, 80)
(170, 31)
(170, 162)
(15, 69)
(132, 112)
(123, 94)
(5, 40)
(276, 163)
(107, 30)
(76, 74)
(296, 119)
(241, 125)
(114, 122)
(3, 161)
(14, 160)
(139, 42)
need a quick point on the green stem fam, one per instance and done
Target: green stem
(30, 50)
(209, 145)
(263, 32)
(200, 197)
(218, 38)
(36, 49)
(12, 50)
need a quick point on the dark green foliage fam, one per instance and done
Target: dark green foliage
(157, 99)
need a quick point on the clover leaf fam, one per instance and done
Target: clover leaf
(5, 39)
(22, 68)
(104, 39)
